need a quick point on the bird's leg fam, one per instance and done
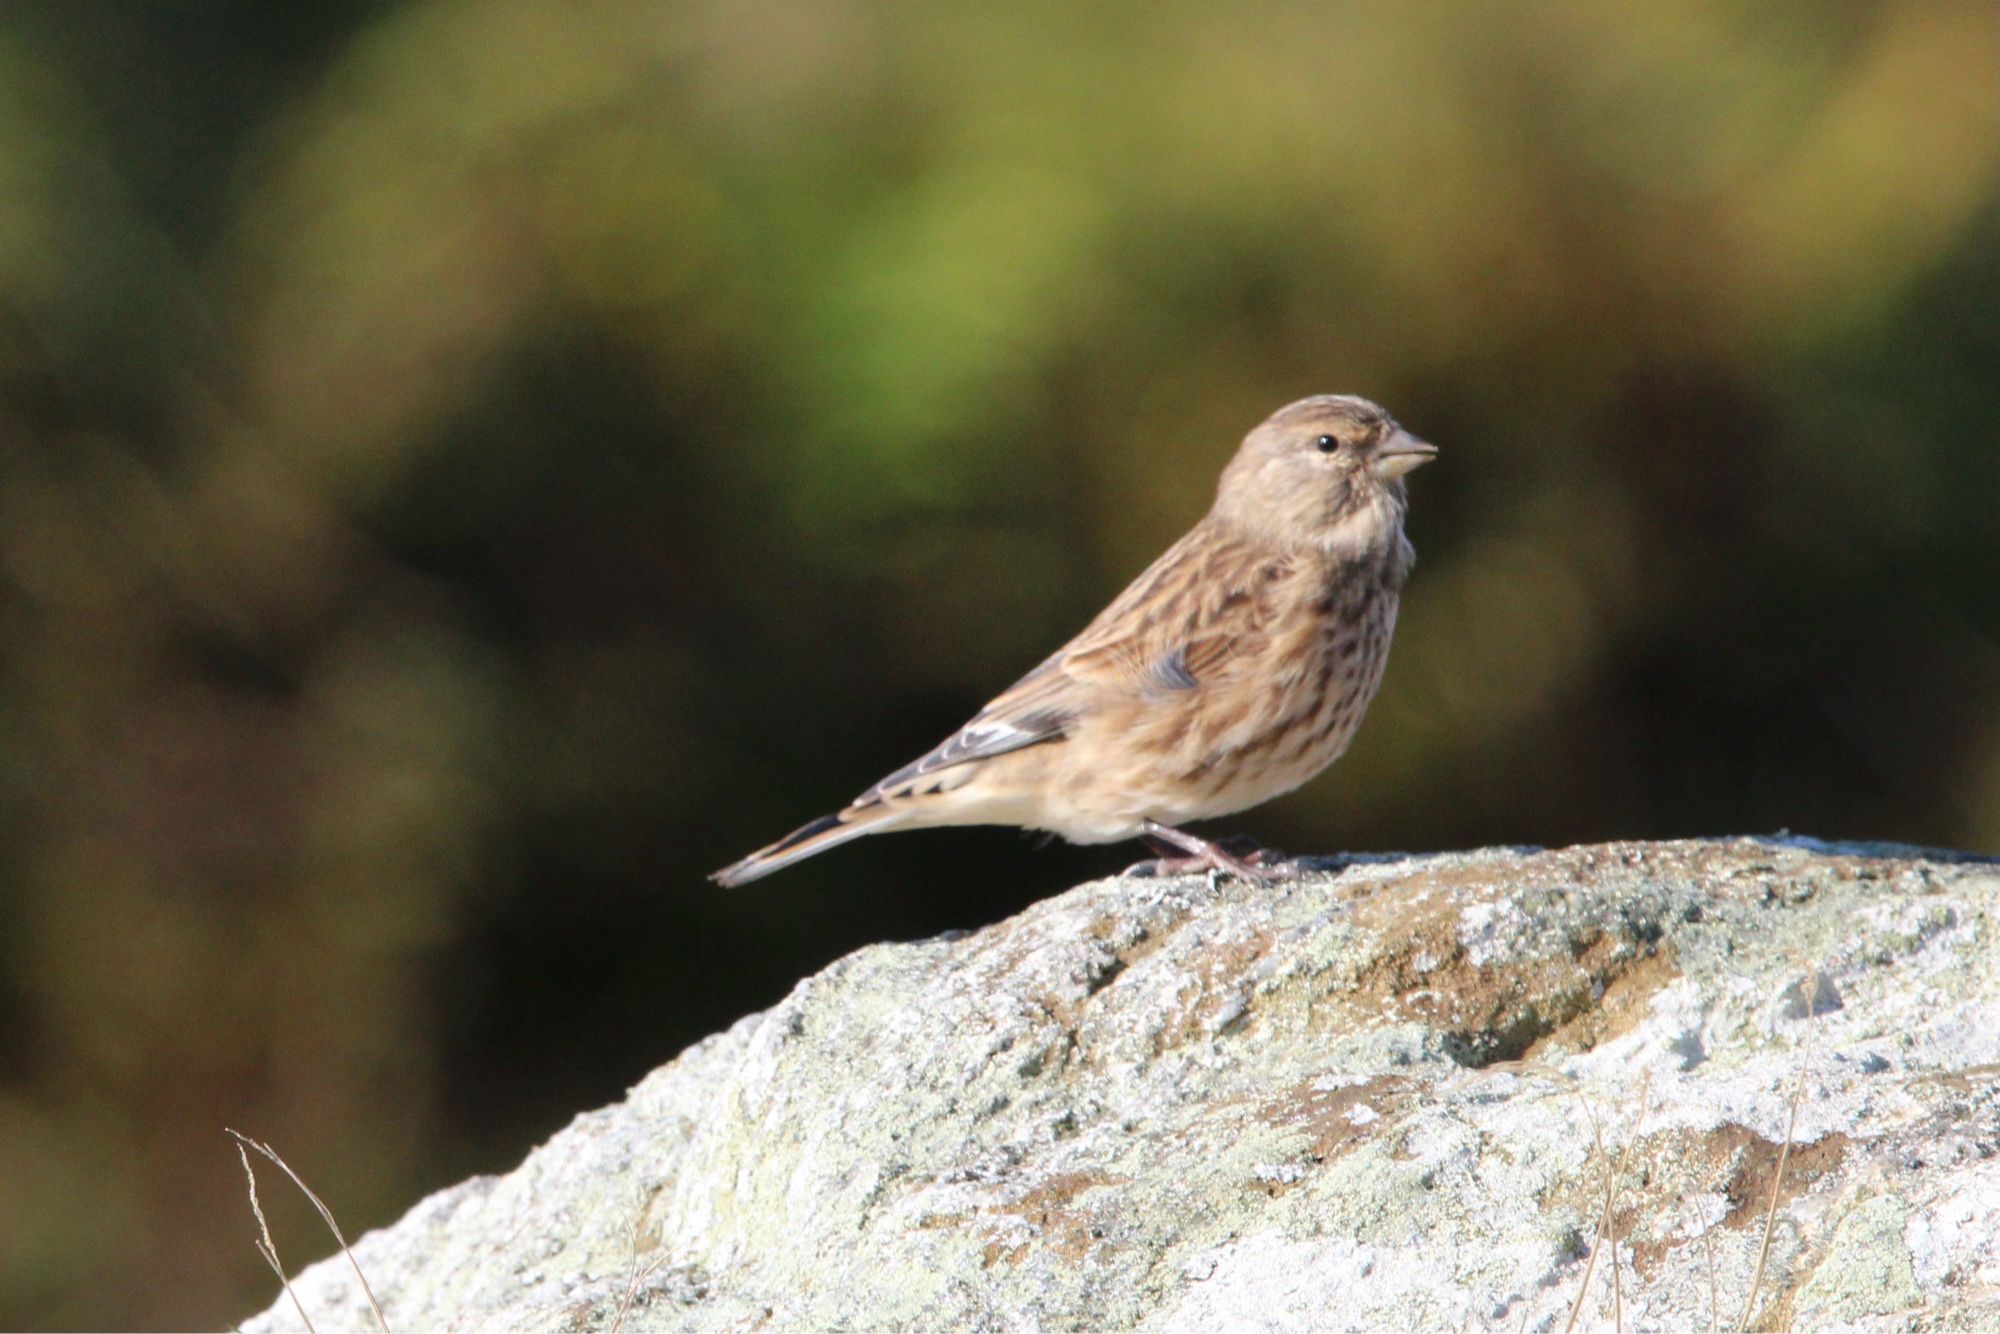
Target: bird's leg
(1196, 854)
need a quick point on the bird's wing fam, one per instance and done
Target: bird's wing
(1193, 618)
(1039, 707)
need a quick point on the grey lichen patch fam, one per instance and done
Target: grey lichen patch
(1404, 1092)
(1866, 1269)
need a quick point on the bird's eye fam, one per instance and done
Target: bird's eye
(1326, 444)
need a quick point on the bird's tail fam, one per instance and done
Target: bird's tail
(826, 832)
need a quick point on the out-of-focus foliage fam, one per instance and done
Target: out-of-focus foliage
(467, 467)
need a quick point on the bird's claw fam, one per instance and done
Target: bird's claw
(1196, 856)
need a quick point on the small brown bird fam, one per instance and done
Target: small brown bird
(1234, 669)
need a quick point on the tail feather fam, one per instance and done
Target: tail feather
(826, 832)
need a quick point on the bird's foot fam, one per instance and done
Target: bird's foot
(1276, 865)
(1253, 853)
(1183, 853)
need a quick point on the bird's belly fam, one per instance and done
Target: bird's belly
(1231, 753)
(1244, 782)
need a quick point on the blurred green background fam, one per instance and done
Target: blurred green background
(470, 467)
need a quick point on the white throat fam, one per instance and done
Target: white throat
(1370, 531)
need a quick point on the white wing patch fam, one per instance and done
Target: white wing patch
(982, 738)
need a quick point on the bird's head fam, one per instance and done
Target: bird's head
(1325, 471)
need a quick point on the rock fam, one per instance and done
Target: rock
(1406, 1092)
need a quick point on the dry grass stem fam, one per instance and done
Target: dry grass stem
(1714, 1293)
(326, 1215)
(1606, 1230)
(637, 1276)
(266, 1247)
(1609, 1229)
(1597, 1146)
(1707, 1235)
(1784, 1154)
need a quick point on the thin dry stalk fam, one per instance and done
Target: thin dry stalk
(1707, 1235)
(267, 1247)
(1714, 1293)
(1612, 1173)
(635, 1277)
(1609, 1230)
(1565, 1080)
(1784, 1154)
(325, 1214)
(632, 1287)
(1590, 1265)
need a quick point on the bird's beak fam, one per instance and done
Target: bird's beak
(1400, 453)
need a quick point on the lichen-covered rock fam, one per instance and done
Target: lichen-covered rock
(1461, 1091)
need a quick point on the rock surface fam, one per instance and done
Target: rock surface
(1401, 1094)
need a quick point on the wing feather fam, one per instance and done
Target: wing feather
(1193, 618)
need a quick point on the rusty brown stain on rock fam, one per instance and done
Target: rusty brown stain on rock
(1221, 970)
(1730, 1160)
(1629, 986)
(1326, 1116)
(1045, 1209)
(1756, 1169)
(993, 1252)
(1584, 992)
(1506, 1009)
